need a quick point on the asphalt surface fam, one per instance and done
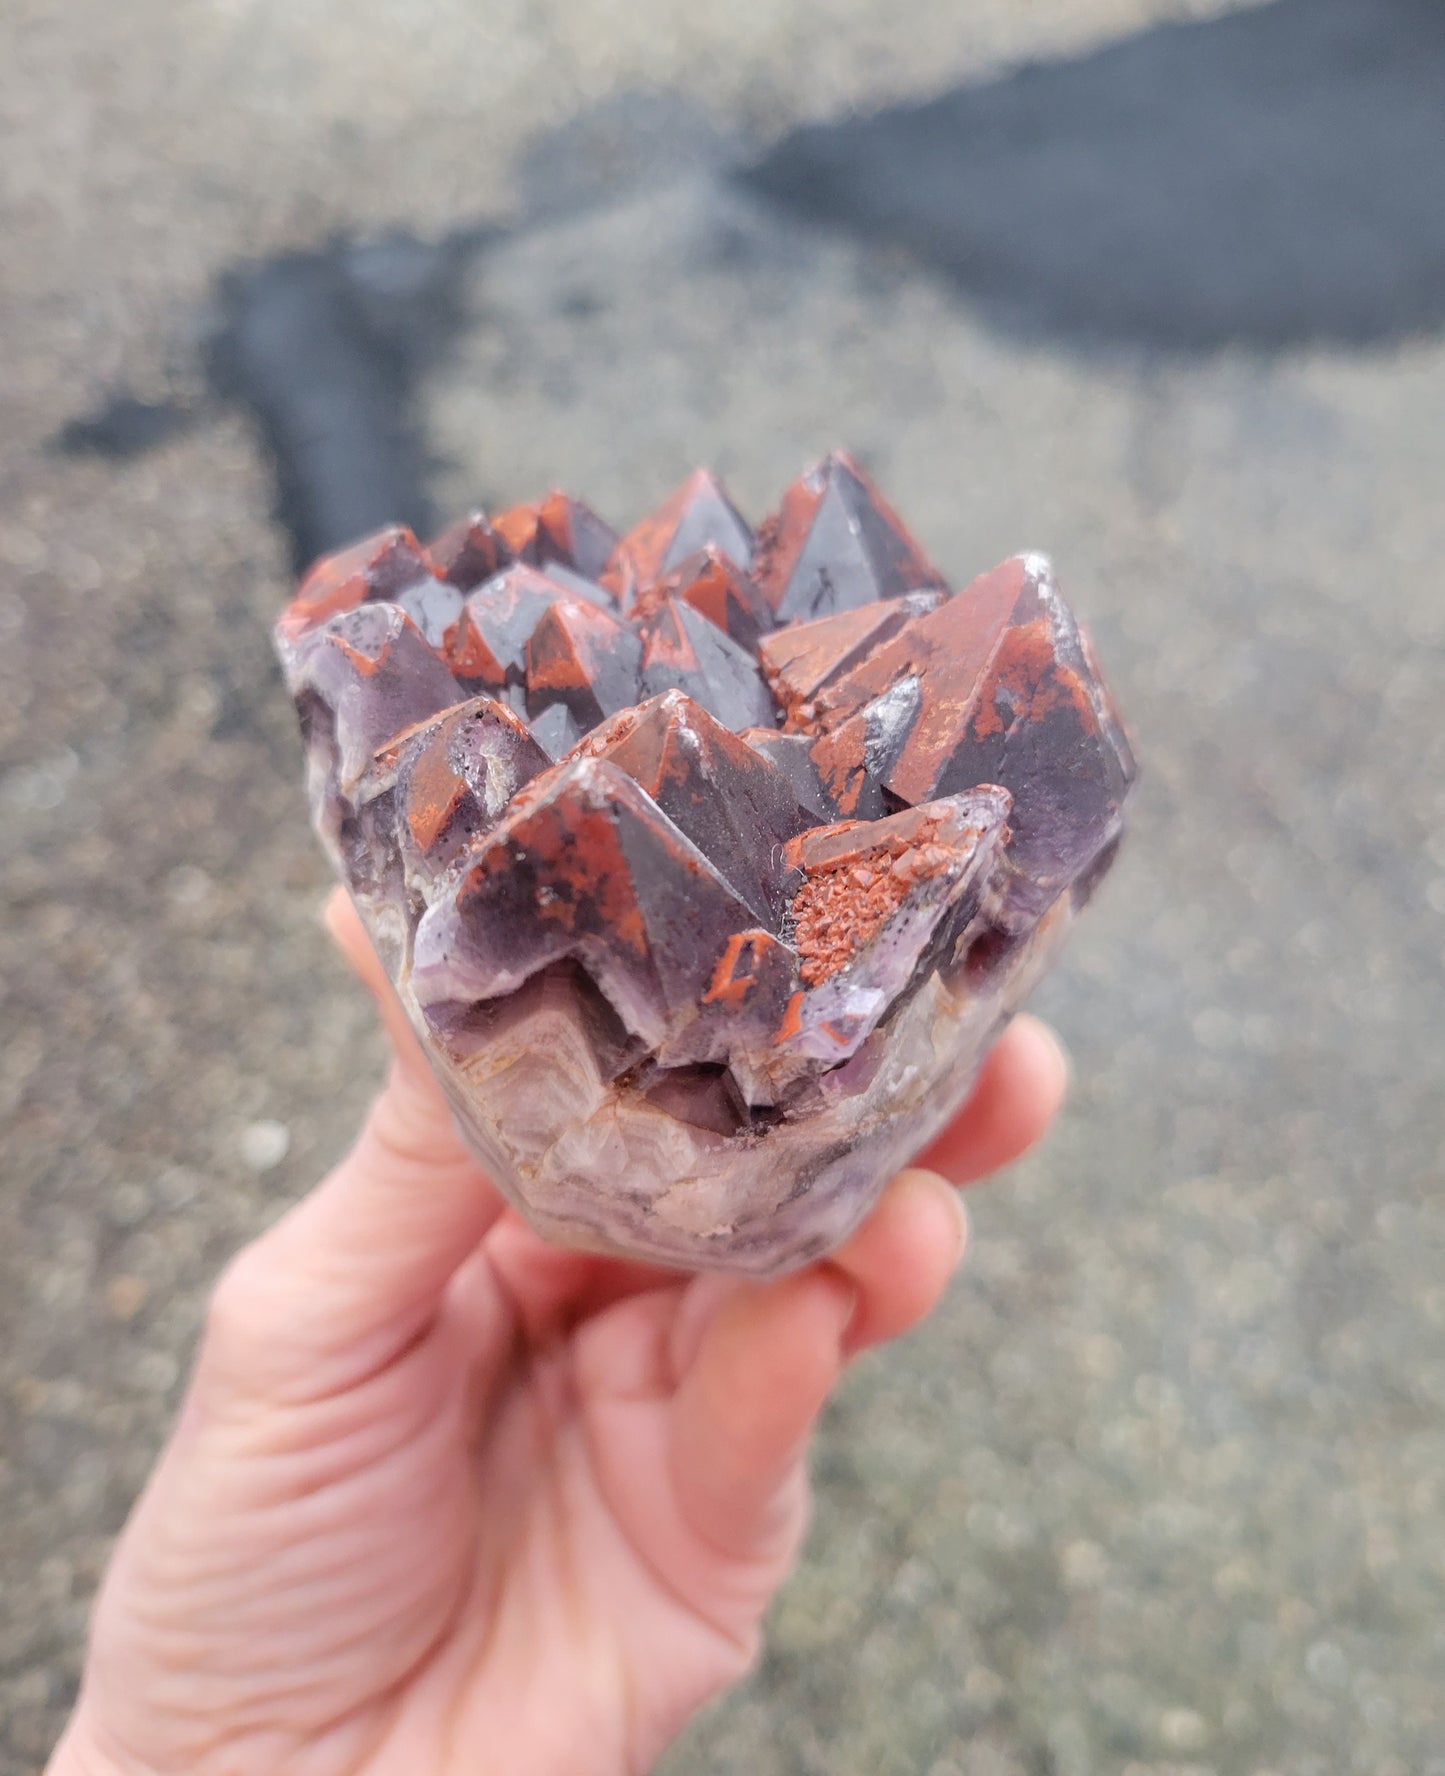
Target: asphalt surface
(1162, 1489)
(1266, 178)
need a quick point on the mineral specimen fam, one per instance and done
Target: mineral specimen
(705, 864)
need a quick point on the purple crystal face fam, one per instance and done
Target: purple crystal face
(705, 864)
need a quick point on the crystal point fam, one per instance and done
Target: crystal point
(717, 589)
(558, 530)
(835, 544)
(683, 651)
(469, 552)
(699, 515)
(377, 568)
(738, 809)
(582, 657)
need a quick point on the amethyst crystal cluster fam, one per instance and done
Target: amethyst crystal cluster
(706, 863)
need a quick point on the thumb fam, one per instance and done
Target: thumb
(358, 1268)
(344, 927)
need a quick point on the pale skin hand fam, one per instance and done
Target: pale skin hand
(445, 1500)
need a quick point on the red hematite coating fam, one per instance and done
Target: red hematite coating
(706, 864)
(382, 565)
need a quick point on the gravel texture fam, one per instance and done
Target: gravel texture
(1162, 1489)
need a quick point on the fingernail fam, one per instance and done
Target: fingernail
(921, 1178)
(956, 1203)
(1056, 1042)
(849, 1307)
(845, 1291)
(954, 1198)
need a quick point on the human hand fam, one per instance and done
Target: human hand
(444, 1498)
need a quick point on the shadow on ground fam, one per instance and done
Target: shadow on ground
(1265, 178)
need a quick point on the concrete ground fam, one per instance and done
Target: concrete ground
(1162, 1489)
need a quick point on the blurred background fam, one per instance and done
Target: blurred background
(1157, 285)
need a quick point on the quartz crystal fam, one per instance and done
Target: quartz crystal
(706, 864)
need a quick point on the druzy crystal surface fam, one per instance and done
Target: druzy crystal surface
(706, 862)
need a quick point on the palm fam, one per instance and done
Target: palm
(557, 1557)
(443, 1492)
(587, 1578)
(488, 1516)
